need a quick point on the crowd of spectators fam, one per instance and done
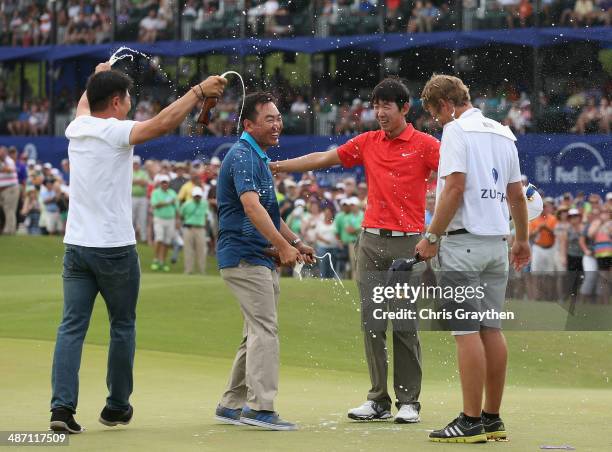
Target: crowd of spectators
(571, 240)
(33, 119)
(577, 110)
(39, 194)
(28, 23)
(571, 251)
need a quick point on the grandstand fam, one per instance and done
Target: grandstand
(540, 67)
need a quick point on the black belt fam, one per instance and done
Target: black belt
(192, 226)
(389, 233)
(458, 231)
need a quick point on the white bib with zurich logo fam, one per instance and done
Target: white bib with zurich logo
(485, 152)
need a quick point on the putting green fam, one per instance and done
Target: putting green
(175, 396)
(189, 327)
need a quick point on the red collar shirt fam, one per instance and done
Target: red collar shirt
(396, 172)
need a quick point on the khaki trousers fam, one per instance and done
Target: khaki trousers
(195, 248)
(254, 377)
(353, 260)
(140, 211)
(375, 254)
(9, 198)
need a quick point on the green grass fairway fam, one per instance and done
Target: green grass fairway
(559, 389)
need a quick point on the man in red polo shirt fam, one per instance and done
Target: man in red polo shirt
(398, 161)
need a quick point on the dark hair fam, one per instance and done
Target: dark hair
(103, 86)
(251, 102)
(391, 90)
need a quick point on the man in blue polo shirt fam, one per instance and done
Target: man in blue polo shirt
(249, 222)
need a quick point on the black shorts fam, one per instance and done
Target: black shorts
(604, 263)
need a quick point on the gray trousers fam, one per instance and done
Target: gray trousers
(254, 377)
(140, 206)
(375, 255)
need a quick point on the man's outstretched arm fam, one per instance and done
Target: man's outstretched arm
(83, 105)
(309, 162)
(173, 115)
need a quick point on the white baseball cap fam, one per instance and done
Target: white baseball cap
(197, 191)
(47, 165)
(162, 178)
(289, 183)
(215, 160)
(535, 205)
(137, 159)
(344, 201)
(353, 200)
(573, 212)
(299, 202)
(609, 196)
(31, 162)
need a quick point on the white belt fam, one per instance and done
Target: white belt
(387, 233)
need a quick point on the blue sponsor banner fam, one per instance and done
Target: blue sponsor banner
(567, 163)
(554, 163)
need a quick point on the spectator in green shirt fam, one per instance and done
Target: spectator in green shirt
(140, 205)
(193, 215)
(164, 202)
(339, 221)
(349, 228)
(297, 216)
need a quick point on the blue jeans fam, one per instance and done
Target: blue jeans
(115, 274)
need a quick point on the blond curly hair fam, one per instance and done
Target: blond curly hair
(444, 87)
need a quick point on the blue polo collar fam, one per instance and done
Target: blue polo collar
(246, 136)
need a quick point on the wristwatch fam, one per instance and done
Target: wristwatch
(431, 238)
(296, 241)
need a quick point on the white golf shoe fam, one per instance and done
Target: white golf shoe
(369, 411)
(407, 414)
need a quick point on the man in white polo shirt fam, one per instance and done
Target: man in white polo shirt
(100, 242)
(479, 178)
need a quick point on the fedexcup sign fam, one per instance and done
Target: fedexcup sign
(552, 170)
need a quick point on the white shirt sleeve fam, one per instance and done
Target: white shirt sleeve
(10, 163)
(453, 152)
(119, 132)
(515, 169)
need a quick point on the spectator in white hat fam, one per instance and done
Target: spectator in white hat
(193, 215)
(164, 202)
(50, 195)
(291, 194)
(297, 216)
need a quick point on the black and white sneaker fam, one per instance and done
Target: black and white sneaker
(112, 418)
(460, 430)
(494, 428)
(370, 411)
(62, 420)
